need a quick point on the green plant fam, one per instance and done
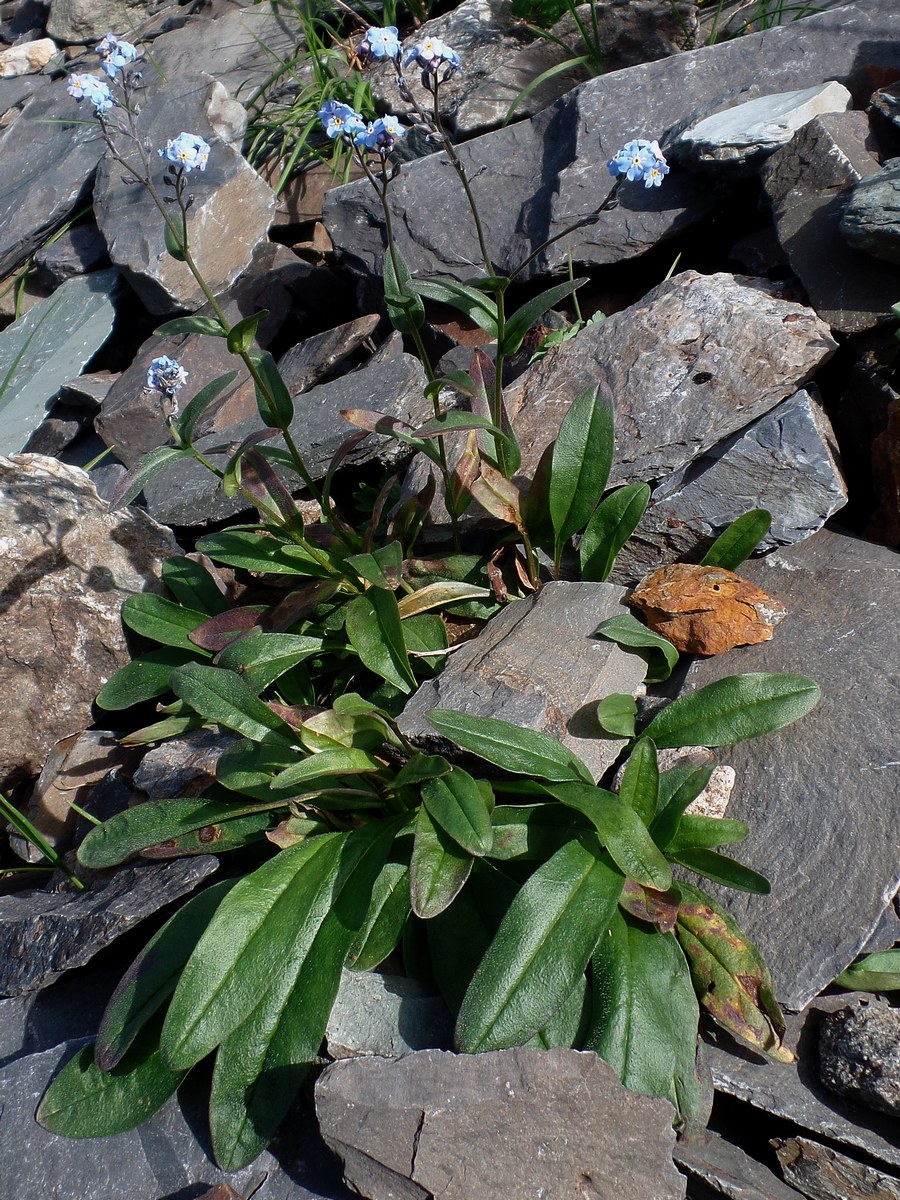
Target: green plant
(879, 972)
(20, 823)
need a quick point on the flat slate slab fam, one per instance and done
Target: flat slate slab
(822, 797)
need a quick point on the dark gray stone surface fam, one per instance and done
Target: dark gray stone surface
(726, 1170)
(821, 796)
(184, 766)
(167, 1157)
(77, 252)
(859, 1055)
(427, 1125)
(187, 494)
(786, 462)
(387, 1015)
(552, 170)
(538, 665)
(825, 1174)
(808, 183)
(871, 220)
(44, 933)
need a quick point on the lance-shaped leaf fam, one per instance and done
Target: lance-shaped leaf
(463, 475)
(533, 832)
(192, 412)
(645, 1017)
(143, 678)
(697, 832)
(582, 458)
(242, 335)
(542, 947)
(734, 709)
(224, 697)
(276, 408)
(612, 523)
(481, 308)
(159, 821)
(252, 945)
(261, 1064)
(388, 912)
(621, 830)
(484, 399)
(628, 632)
(536, 504)
(326, 763)
(84, 1102)
(730, 978)
(161, 620)
(521, 751)
(456, 803)
(374, 631)
(255, 549)
(523, 318)
(739, 540)
(879, 972)
(264, 657)
(497, 495)
(438, 869)
(193, 584)
(678, 788)
(721, 869)
(438, 595)
(405, 307)
(639, 788)
(218, 838)
(569, 1023)
(226, 627)
(150, 980)
(266, 489)
(209, 326)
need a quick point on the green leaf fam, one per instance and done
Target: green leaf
(628, 632)
(640, 780)
(157, 821)
(211, 326)
(569, 1023)
(730, 978)
(533, 832)
(721, 869)
(242, 335)
(437, 595)
(617, 713)
(261, 1064)
(326, 763)
(438, 869)
(84, 1102)
(150, 980)
(142, 678)
(176, 243)
(582, 458)
(388, 913)
(457, 804)
(646, 1016)
(132, 482)
(739, 540)
(518, 325)
(255, 550)
(678, 788)
(620, 829)
(405, 307)
(481, 308)
(520, 751)
(192, 585)
(252, 946)
(162, 620)
(375, 633)
(224, 697)
(697, 832)
(264, 657)
(612, 523)
(188, 420)
(879, 972)
(273, 400)
(542, 947)
(733, 710)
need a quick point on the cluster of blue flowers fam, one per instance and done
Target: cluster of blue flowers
(340, 120)
(188, 151)
(431, 54)
(166, 376)
(92, 88)
(115, 54)
(640, 160)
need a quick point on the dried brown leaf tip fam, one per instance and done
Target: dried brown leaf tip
(705, 610)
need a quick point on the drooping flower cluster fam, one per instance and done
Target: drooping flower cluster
(434, 57)
(116, 54)
(166, 376)
(640, 160)
(92, 88)
(188, 151)
(340, 120)
(379, 43)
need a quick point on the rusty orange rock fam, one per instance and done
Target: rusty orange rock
(705, 610)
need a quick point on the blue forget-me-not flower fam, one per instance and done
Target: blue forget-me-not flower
(379, 43)
(431, 54)
(380, 135)
(188, 151)
(91, 87)
(116, 54)
(640, 160)
(166, 375)
(339, 119)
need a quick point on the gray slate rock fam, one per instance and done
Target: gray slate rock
(184, 766)
(387, 1015)
(69, 1008)
(552, 170)
(43, 934)
(539, 665)
(67, 567)
(426, 1125)
(808, 183)
(859, 1055)
(43, 157)
(871, 220)
(786, 462)
(187, 494)
(87, 20)
(737, 139)
(825, 1174)
(887, 102)
(726, 1170)
(794, 1091)
(836, 771)
(47, 346)
(163, 1158)
(233, 206)
(76, 252)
